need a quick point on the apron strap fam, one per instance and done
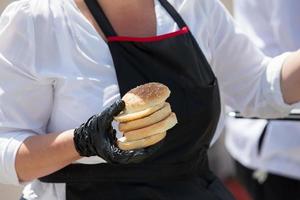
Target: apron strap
(100, 17)
(175, 15)
(181, 23)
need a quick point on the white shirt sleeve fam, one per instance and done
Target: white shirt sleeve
(285, 23)
(273, 27)
(25, 99)
(259, 26)
(249, 81)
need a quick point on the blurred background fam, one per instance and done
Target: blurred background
(13, 193)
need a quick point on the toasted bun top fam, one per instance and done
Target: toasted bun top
(145, 96)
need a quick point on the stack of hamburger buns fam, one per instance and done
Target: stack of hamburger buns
(147, 116)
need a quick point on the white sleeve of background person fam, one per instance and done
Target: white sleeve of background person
(242, 135)
(249, 81)
(258, 19)
(25, 100)
(285, 23)
(275, 25)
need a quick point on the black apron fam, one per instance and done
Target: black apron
(179, 170)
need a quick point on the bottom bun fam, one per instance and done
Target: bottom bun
(138, 144)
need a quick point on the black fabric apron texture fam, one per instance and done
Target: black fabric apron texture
(179, 170)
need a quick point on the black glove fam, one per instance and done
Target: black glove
(97, 137)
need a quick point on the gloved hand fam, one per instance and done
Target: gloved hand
(97, 137)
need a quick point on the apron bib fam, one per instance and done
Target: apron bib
(179, 170)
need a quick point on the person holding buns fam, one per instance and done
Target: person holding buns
(65, 65)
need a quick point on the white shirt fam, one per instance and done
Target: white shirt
(55, 72)
(273, 26)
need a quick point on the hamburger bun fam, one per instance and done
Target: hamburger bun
(126, 117)
(153, 129)
(138, 144)
(148, 120)
(145, 96)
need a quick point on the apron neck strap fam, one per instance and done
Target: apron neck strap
(175, 15)
(100, 18)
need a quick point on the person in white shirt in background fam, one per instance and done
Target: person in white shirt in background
(268, 152)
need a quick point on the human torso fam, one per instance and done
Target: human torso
(89, 67)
